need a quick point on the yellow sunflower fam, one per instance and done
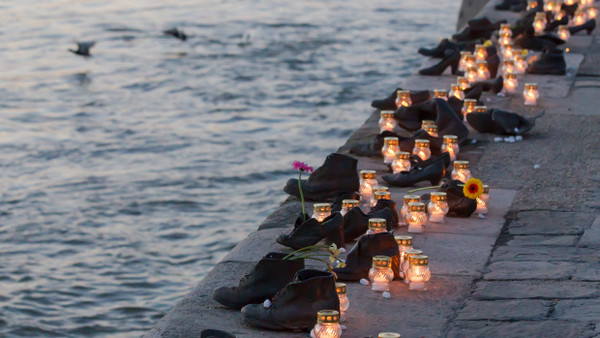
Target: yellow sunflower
(473, 188)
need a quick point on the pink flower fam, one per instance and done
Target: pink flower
(302, 166)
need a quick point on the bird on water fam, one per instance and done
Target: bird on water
(83, 48)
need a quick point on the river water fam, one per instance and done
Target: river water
(126, 176)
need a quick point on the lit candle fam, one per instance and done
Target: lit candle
(328, 325)
(462, 64)
(418, 273)
(450, 146)
(508, 66)
(580, 17)
(340, 288)
(470, 61)
(404, 243)
(505, 39)
(563, 32)
(406, 262)
(401, 162)
(505, 29)
(468, 107)
(507, 52)
(421, 149)
(431, 129)
(348, 205)
(471, 75)
(376, 226)
(531, 94)
(521, 63)
(482, 71)
(463, 82)
(550, 6)
(539, 22)
(367, 181)
(437, 207)
(570, 2)
(404, 209)
(457, 92)
(403, 99)
(426, 123)
(387, 122)
(321, 211)
(389, 335)
(592, 12)
(389, 149)
(440, 94)
(416, 217)
(510, 83)
(381, 273)
(480, 52)
(381, 195)
(531, 4)
(461, 171)
(483, 200)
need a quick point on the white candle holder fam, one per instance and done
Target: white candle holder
(431, 129)
(531, 4)
(461, 171)
(367, 181)
(591, 12)
(381, 273)
(510, 83)
(389, 149)
(321, 211)
(505, 30)
(418, 273)
(471, 75)
(539, 22)
(507, 51)
(328, 325)
(531, 94)
(403, 99)
(381, 195)
(387, 122)
(564, 33)
(440, 94)
(482, 71)
(406, 262)
(416, 217)
(508, 66)
(404, 243)
(421, 149)
(340, 288)
(437, 207)
(348, 205)
(580, 17)
(404, 210)
(401, 162)
(463, 82)
(480, 52)
(376, 226)
(457, 92)
(462, 64)
(505, 39)
(450, 146)
(483, 201)
(520, 63)
(468, 107)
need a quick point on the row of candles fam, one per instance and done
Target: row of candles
(584, 12)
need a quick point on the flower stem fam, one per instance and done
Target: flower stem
(301, 194)
(426, 188)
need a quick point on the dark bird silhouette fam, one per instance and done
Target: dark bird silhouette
(83, 48)
(174, 32)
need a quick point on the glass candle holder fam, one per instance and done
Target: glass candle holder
(404, 209)
(321, 211)
(531, 94)
(376, 226)
(401, 162)
(389, 149)
(437, 207)
(550, 6)
(403, 99)
(431, 129)
(440, 94)
(328, 325)
(520, 63)
(480, 109)
(461, 171)
(470, 61)
(463, 82)
(471, 75)
(507, 51)
(580, 17)
(483, 200)
(389, 335)
(563, 32)
(480, 52)
(340, 288)
(570, 2)
(508, 66)
(421, 149)
(468, 107)
(426, 123)
(347, 205)
(406, 262)
(418, 273)
(387, 122)
(531, 4)
(462, 64)
(450, 146)
(591, 12)
(381, 273)
(505, 29)
(510, 83)
(561, 14)
(539, 22)
(505, 39)
(367, 181)
(381, 195)
(377, 189)
(482, 71)
(404, 243)
(416, 217)
(457, 92)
